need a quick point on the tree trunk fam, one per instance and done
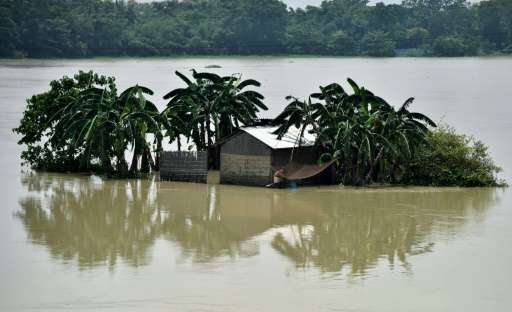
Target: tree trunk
(373, 164)
(152, 162)
(208, 131)
(121, 165)
(144, 165)
(158, 153)
(135, 159)
(202, 137)
(106, 164)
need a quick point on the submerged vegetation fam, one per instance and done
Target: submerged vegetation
(82, 124)
(449, 158)
(85, 28)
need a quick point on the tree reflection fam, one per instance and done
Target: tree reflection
(88, 219)
(363, 226)
(101, 222)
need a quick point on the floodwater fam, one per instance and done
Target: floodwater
(71, 242)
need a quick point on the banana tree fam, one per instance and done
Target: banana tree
(88, 122)
(298, 114)
(233, 106)
(140, 117)
(213, 106)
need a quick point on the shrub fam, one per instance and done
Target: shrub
(452, 159)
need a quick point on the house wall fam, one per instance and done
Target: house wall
(244, 160)
(184, 166)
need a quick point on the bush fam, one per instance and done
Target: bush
(452, 159)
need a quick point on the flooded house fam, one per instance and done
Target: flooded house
(254, 154)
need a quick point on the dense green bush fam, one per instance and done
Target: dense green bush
(453, 159)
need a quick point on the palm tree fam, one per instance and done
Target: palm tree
(405, 130)
(363, 133)
(194, 102)
(298, 114)
(233, 106)
(140, 117)
(213, 100)
(88, 121)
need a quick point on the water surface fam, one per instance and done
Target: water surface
(80, 242)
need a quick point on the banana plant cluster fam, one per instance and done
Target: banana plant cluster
(101, 125)
(368, 138)
(211, 107)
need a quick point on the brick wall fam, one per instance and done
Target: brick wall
(184, 166)
(245, 169)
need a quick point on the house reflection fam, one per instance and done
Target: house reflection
(100, 222)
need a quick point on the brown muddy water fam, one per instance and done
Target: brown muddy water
(70, 242)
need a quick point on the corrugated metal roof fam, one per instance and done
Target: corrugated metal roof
(289, 140)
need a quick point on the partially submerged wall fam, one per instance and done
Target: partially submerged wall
(245, 170)
(245, 160)
(184, 166)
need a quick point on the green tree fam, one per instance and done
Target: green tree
(46, 150)
(140, 117)
(9, 31)
(377, 44)
(214, 106)
(369, 140)
(88, 122)
(451, 46)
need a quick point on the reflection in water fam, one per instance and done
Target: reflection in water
(93, 221)
(361, 226)
(97, 222)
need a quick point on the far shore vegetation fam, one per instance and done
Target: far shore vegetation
(84, 124)
(90, 28)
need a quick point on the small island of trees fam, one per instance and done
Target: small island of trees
(84, 124)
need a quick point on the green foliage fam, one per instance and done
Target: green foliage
(39, 129)
(369, 139)
(452, 159)
(85, 28)
(377, 44)
(452, 46)
(211, 107)
(82, 124)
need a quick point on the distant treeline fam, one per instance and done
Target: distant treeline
(86, 28)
